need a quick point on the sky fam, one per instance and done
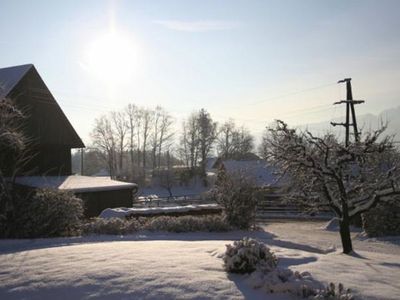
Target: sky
(254, 61)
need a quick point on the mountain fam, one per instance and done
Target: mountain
(366, 123)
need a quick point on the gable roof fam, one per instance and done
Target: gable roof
(46, 123)
(9, 77)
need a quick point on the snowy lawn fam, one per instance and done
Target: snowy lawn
(186, 266)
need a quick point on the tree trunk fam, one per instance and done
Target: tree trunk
(344, 223)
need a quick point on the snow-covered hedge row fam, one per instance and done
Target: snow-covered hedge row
(251, 256)
(162, 223)
(382, 220)
(187, 224)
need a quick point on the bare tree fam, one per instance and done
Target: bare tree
(183, 149)
(147, 121)
(119, 120)
(207, 135)
(133, 124)
(166, 136)
(225, 144)
(103, 138)
(324, 172)
(233, 142)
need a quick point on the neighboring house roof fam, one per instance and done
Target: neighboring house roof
(210, 163)
(45, 123)
(74, 183)
(257, 170)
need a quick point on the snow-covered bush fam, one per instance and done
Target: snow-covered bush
(187, 224)
(382, 220)
(110, 226)
(163, 223)
(302, 285)
(237, 195)
(331, 293)
(49, 213)
(247, 255)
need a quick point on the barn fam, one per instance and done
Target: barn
(51, 138)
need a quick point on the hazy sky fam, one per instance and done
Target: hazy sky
(250, 60)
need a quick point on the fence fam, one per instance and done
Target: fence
(155, 201)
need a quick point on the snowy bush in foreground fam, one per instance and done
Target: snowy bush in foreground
(302, 285)
(330, 293)
(247, 255)
(251, 256)
(49, 213)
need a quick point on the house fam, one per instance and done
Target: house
(258, 171)
(51, 138)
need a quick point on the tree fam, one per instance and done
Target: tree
(13, 158)
(233, 142)
(133, 125)
(207, 134)
(237, 194)
(147, 121)
(120, 124)
(325, 173)
(103, 138)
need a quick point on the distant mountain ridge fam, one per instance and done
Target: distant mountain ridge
(366, 123)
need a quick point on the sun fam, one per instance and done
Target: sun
(111, 57)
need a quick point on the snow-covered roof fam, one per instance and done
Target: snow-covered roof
(257, 170)
(9, 78)
(74, 183)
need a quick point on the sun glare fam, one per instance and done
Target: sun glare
(111, 57)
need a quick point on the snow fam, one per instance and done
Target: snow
(122, 212)
(9, 78)
(189, 265)
(74, 183)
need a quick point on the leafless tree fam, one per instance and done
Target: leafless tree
(207, 134)
(103, 138)
(233, 142)
(133, 125)
(120, 124)
(166, 135)
(147, 121)
(325, 173)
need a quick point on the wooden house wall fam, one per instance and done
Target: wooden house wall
(50, 134)
(96, 202)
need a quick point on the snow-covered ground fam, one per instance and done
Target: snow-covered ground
(188, 266)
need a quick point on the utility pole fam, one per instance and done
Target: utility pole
(349, 109)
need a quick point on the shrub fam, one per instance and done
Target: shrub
(247, 255)
(187, 224)
(382, 220)
(48, 213)
(236, 194)
(331, 293)
(162, 223)
(108, 226)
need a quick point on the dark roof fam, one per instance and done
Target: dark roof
(46, 123)
(9, 77)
